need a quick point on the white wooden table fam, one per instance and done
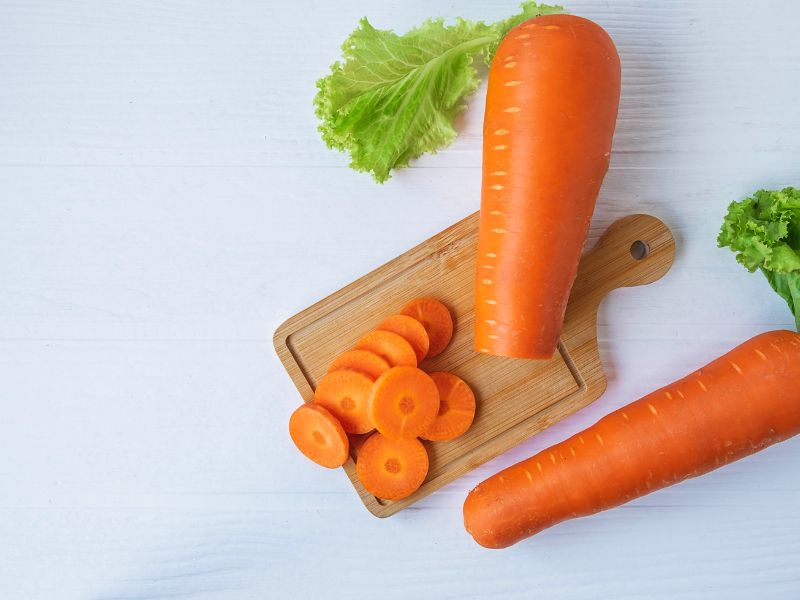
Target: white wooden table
(166, 203)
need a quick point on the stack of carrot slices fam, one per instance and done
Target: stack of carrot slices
(378, 385)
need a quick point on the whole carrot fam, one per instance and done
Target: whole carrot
(551, 108)
(737, 405)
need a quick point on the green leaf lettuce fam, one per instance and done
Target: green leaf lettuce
(394, 97)
(764, 231)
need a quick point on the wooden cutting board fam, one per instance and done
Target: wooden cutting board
(516, 398)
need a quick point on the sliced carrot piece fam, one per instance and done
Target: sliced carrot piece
(363, 361)
(391, 469)
(319, 436)
(456, 408)
(411, 331)
(404, 402)
(390, 347)
(435, 318)
(346, 395)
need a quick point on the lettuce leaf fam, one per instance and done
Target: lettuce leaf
(764, 232)
(394, 97)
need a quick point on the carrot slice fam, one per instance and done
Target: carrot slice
(363, 361)
(319, 436)
(404, 402)
(435, 318)
(391, 469)
(346, 395)
(390, 347)
(735, 406)
(411, 331)
(456, 408)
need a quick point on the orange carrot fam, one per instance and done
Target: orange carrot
(435, 318)
(363, 361)
(404, 402)
(390, 347)
(551, 107)
(391, 469)
(737, 405)
(456, 408)
(346, 395)
(410, 330)
(319, 436)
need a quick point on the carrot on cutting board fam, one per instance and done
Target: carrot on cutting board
(391, 469)
(346, 395)
(411, 331)
(390, 347)
(319, 436)
(404, 402)
(737, 405)
(551, 108)
(363, 361)
(435, 318)
(456, 408)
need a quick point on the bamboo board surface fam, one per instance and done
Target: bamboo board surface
(516, 398)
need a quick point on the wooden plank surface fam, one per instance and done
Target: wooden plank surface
(167, 204)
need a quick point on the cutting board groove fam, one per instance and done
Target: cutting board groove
(516, 398)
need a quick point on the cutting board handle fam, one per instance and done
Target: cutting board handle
(635, 250)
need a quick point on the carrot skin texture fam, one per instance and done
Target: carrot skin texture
(551, 109)
(735, 406)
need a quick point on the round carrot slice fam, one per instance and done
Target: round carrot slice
(404, 402)
(346, 395)
(391, 469)
(411, 331)
(456, 408)
(390, 347)
(435, 318)
(319, 436)
(363, 361)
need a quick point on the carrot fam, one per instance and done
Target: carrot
(346, 395)
(456, 408)
(737, 405)
(319, 436)
(391, 469)
(363, 361)
(404, 402)
(410, 330)
(390, 347)
(551, 107)
(435, 318)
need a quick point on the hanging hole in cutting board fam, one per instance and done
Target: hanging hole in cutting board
(639, 250)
